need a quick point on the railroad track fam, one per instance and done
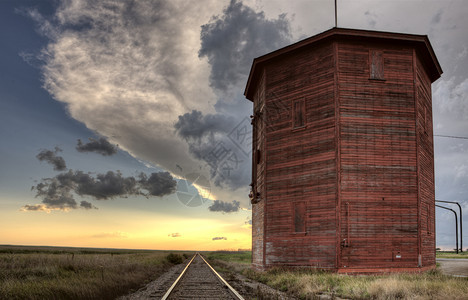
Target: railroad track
(200, 281)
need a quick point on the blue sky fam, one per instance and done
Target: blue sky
(163, 80)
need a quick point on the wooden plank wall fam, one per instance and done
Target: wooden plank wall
(379, 195)
(384, 139)
(300, 171)
(426, 164)
(258, 176)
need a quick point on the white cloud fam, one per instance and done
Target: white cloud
(128, 70)
(450, 97)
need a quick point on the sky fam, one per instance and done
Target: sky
(123, 123)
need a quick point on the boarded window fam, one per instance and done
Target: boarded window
(428, 220)
(298, 113)
(376, 65)
(258, 156)
(299, 217)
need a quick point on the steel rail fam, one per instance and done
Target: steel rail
(223, 281)
(169, 291)
(231, 289)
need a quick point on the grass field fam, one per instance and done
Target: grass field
(86, 273)
(451, 254)
(309, 284)
(77, 273)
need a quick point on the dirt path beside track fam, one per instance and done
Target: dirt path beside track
(454, 266)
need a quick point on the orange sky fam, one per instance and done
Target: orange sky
(111, 227)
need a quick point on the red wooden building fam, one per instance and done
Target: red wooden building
(343, 168)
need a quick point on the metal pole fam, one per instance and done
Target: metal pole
(456, 223)
(461, 221)
(336, 15)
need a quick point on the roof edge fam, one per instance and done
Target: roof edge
(337, 31)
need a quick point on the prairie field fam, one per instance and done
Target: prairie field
(451, 254)
(310, 284)
(78, 273)
(86, 273)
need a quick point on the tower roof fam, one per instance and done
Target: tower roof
(420, 42)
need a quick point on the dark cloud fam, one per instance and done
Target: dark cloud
(52, 158)
(158, 184)
(195, 125)
(437, 17)
(232, 40)
(225, 207)
(174, 234)
(212, 138)
(222, 142)
(101, 146)
(105, 186)
(218, 238)
(58, 192)
(87, 205)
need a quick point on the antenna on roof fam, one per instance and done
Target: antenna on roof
(336, 16)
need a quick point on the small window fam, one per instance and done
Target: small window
(258, 156)
(299, 217)
(428, 220)
(376, 65)
(298, 113)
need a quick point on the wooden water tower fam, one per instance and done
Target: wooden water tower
(343, 167)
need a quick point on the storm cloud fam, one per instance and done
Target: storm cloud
(127, 70)
(101, 146)
(194, 125)
(57, 193)
(231, 41)
(221, 141)
(225, 207)
(52, 158)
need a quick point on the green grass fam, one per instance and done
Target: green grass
(243, 257)
(76, 273)
(451, 254)
(309, 284)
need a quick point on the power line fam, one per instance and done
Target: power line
(452, 136)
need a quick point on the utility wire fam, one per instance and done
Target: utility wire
(452, 136)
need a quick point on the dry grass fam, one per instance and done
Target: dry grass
(309, 284)
(76, 275)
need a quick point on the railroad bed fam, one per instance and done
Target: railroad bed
(200, 281)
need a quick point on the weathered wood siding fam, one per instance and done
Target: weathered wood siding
(379, 196)
(425, 163)
(258, 177)
(343, 160)
(301, 173)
